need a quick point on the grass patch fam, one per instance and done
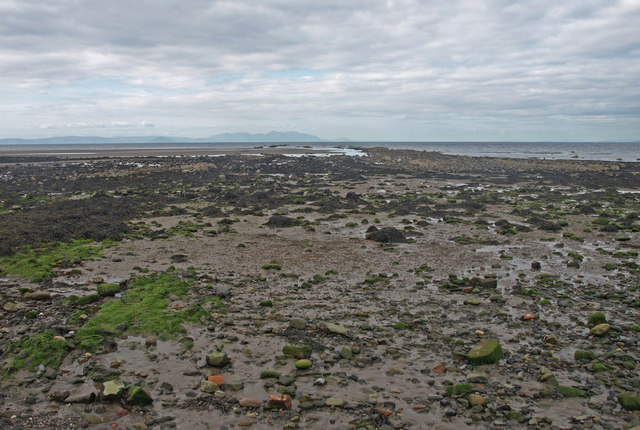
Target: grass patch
(36, 264)
(143, 310)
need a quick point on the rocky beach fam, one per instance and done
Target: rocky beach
(267, 289)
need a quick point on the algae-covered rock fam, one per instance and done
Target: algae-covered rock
(138, 397)
(629, 402)
(584, 355)
(297, 351)
(112, 388)
(105, 290)
(600, 329)
(572, 391)
(303, 364)
(486, 352)
(217, 359)
(337, 329)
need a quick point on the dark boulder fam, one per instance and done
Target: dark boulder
(385, 235)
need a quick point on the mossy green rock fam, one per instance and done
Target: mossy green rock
(334, 401)
(584, 355)
(217, 359)
(337, 329)
(105, 290)
(572, 391)
(297, 351)
(10, 307)
(138, 397)
(112, 388)
(629, 402)
(303, 364)
(600, 329)
(486, 352)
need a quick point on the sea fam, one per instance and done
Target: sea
(603, 151)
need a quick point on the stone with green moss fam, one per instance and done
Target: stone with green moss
(488, 351)
(630, 402)
(584, 355)
(297, 351)
(303, 364)
(112, 388)
(136, 396)
(217, 359)
(337, 329)
(105, 290)
(599, 367)
(266, 374)
(572, 392)
(459, 389)
(600, 329)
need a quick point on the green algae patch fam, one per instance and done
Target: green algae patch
(143, 309)
(596, 318)
(488, 351)
(297, 351)
(39, 349)
(138, 397)
(629, 401)
(37, 263)
(105, 290)
(267, 374)
(572, 391)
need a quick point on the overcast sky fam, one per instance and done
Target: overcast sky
(469, 70)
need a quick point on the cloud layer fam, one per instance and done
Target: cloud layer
(366, 70)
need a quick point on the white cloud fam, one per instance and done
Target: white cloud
(407, 68)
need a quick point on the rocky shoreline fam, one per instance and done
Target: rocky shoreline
(396, 290)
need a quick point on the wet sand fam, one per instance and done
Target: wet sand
(465, 271)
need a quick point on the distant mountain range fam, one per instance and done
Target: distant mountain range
(270, 137)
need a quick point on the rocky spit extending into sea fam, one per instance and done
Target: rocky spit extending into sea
(257, 289)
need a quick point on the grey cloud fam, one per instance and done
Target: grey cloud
(416, 60)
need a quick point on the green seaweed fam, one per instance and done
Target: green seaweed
(39, 349)
(37, 263)
(142, 310)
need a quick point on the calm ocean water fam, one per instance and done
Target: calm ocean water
(541, 150)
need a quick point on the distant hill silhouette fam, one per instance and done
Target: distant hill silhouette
(270, 137)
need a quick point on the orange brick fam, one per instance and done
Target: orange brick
(282, 401)
(216, 379)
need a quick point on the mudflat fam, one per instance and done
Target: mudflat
(399, 289)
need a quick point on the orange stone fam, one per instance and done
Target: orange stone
(385, 412)
(528, 316)
(282, 401)
(216, 379)
(245, 424)
(439, 369)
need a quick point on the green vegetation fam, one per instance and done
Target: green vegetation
(572, 391)
(297, 351)
(36, 264)
(266, 303)
(488, 351)
(266, 374)
(459, 389)
(39, 349)
(599, 367)
(273, 264)
(401, 326)
(584, 355)
(108, 289)
(597, 318)
(629, 401)
(184, 228)
(142, 310)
